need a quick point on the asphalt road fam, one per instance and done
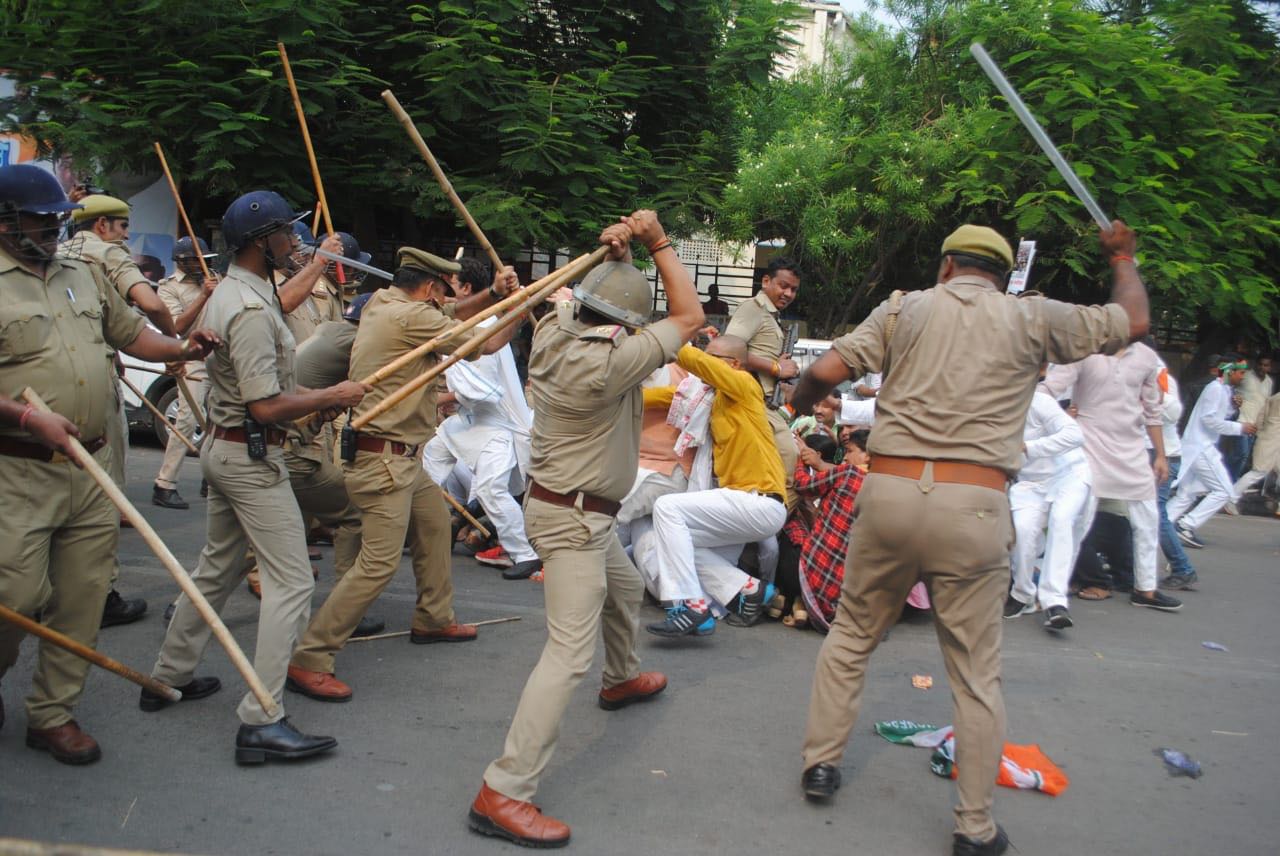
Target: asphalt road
(712, 766)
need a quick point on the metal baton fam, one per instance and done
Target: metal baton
(1037, 133)
(346, 262)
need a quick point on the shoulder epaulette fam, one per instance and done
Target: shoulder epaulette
(611, 332)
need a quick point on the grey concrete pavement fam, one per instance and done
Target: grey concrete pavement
(711, 766)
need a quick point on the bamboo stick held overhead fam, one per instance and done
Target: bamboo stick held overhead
(306, 138)
(175, 569)
(441, 178)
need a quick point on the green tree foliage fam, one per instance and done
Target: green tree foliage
(550, 116)
(865, 166)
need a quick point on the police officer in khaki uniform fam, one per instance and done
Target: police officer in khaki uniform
(385, 478)
(252, 397)
(960, 364)
(756, 322)
(184, 294)
(58, 322)
(585, 372)
(308, 297)
(102, 227)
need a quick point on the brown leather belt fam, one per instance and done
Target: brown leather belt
(366, 443)
(948, 472)
(275, 436)
(594, 504)
(36, 452)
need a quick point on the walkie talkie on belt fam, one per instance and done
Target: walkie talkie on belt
(347, 449)
(255, 439)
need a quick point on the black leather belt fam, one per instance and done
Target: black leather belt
(37, 452)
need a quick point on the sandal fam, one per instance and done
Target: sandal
(799, 618)
(1093, 593)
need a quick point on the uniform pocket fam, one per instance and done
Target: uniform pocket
(90, 317)
(25, 330)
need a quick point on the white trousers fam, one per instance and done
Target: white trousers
(1207, 477)
(649, 486)
(1144, 521)
(1064, 516)
(491, 486)
(1247, 481)
(700, 536)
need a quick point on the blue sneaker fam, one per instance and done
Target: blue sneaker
(747, 609)
(683, 621)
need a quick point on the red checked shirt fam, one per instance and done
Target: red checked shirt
(823, 550)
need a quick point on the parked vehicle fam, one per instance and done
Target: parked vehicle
(160, 389)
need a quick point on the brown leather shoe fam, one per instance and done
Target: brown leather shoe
(254, 581)
(452, 633)
(320, 686)
(642, 687)
(521, 822)
(66, 743)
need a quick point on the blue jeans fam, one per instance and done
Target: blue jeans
(1169, 543)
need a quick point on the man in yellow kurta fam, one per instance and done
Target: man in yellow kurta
(700, 534)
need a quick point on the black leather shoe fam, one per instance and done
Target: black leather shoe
(117, 610)
(168, 613)
(197, 688)
(279, 740)
(965, 846)
(368, 627)
(522, 570)
(204, 489)
(167, 497)
(820, 782)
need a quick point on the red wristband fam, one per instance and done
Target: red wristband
(26, 414)
(1120, 258)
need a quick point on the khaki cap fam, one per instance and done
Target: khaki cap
(100, 206)
(979, 241)
(415, 259)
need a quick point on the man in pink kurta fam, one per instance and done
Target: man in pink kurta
(1118, 399)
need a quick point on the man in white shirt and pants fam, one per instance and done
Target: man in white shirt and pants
(1053, 489)
(1204, 473)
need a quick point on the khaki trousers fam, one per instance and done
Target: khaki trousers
(250, 503)
(117, 434)
(176, 450)
(395, 496)
(786, 443)
(321, 491)
(60, 533)
(957, 539)
(589, 582)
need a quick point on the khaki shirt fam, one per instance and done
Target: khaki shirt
(963, 365)
(587, 401)
(178, 292)
(323, 304)
(112, 258)
(55, 336)
(325, 359)
(392, 324)
(256, 359)
(755, 321)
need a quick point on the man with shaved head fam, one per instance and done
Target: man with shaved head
(701, 534)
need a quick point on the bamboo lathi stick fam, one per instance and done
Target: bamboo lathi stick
(466, 515)
(156, 410)
(170, 562)
(443, 180)
(306, 138)
(84, 652)
(460, 352)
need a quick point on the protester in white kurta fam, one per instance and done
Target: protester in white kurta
(1053, 490)
(1118, 401)
(1204, 473)
(490, 435)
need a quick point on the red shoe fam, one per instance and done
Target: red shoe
(642, 687)
(494, 557)
(452, 633)
(320, 686)
(521, 822)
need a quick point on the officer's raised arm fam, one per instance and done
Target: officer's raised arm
(683, 306)
(1127, 289)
